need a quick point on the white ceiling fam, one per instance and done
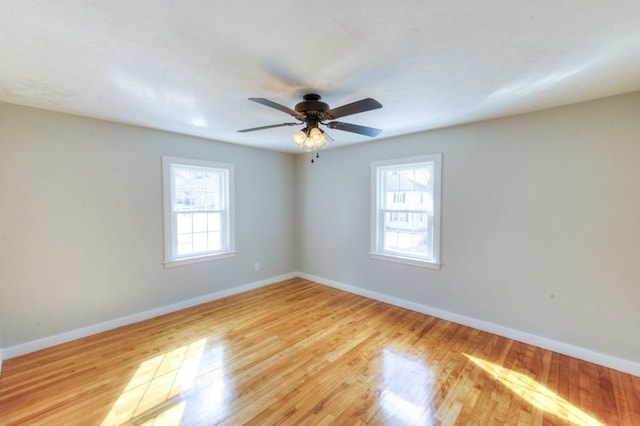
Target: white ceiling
(189, 66)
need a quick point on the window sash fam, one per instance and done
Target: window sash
(409, 233)
(224, 234)
(212, 189)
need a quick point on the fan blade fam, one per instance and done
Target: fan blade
(272, 104)
(354, 128)
(253, 129)
(354, 108)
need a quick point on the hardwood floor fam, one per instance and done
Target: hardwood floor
(301, 353)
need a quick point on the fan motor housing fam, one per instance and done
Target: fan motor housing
(311, 105)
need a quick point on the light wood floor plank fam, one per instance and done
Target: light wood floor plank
(301, 353)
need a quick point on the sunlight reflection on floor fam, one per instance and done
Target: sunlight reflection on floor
(405, 388)
(535, 394)
(152, 392)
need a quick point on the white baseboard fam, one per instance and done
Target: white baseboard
(35, 345)
(521, 336)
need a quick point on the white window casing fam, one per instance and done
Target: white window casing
(405, 210)
(198, 203)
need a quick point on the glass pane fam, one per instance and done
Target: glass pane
(184, 223)
(200, 222)
(200, 242)
(197, 189)
(390, 240)
(392, 180)
(213, 182)
(210, 201)
(389, 189)
(423, 195)
(407, 180)
(217, 201)
(408, 187)
(196, 200)
(215, 221)
(205, 200)
(200, 200)
(408, 233)
(184, 244)
(215, 241)
(181, 177)
(198, 179)
(421, 222)
(183, 201)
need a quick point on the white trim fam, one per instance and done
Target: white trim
(46, 342)
(589, 355)
(405, 260)
(197, 259)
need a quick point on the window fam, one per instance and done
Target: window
(405, 225)
(198, 210)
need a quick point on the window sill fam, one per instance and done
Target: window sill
(197, 259)
(405, 260)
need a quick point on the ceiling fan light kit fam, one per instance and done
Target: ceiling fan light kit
(313, 112)
(312, 139)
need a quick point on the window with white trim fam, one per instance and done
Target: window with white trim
(405, 223)
(198, 210)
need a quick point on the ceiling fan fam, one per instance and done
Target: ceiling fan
(313, 112)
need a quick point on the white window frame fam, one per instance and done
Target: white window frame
(171, 258)
(377, 220)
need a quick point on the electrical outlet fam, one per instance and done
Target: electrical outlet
(256, 266)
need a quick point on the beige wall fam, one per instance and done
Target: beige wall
(540, 223)
(81, 236)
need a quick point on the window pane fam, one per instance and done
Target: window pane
(212, 182)
(195, 202)
(215, 241)
(198, 180)
(218, 201)
(390, 240)
(392, 180)
(211, 200)
(407, 180)
(215, 222)
(184, 223)
(183, 200)
(200, 222)
(185, 244)
(408, 233)
(200, 242)
(423, 195)
(196, 189)
(181, 178)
